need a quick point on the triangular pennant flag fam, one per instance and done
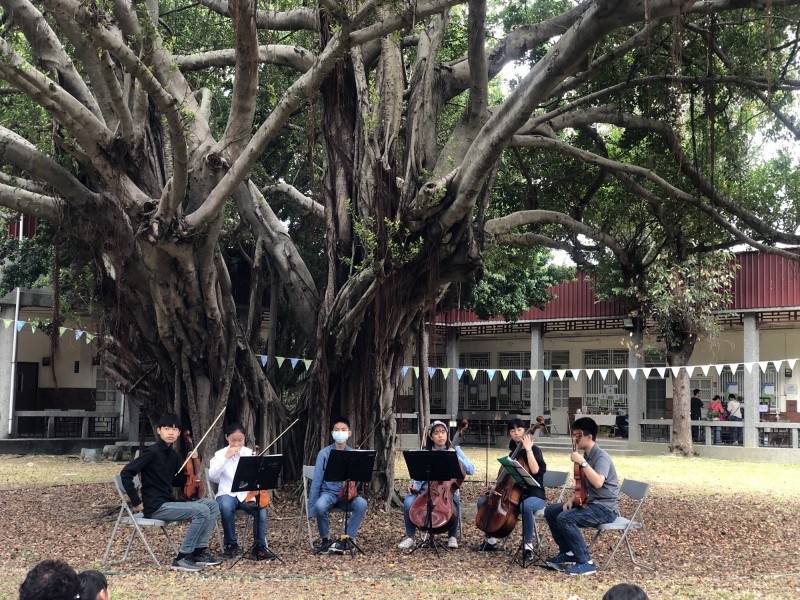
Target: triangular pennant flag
(675, 370)
(33, 326)
(749, 366)
(704, 369)
(490, 373)
(62, 330)
(590, 373)
(718, 369)
(446, 372)
(764, 364)
(89, 337)
(416, 371)
(307, 362)
(279, 360)
(576, 373)
(6, 323)
(431, 372)
(459, 373)
(294, 362)
(21, 324)
(533, 373)
(518, 373)
(403, 371)
(603, 373)
(633, 372)
(78, 334)
(733, 367)
(473, 373)
(561, 373)
(547, 373)
(791, 362)
(264, 359)
(662, 371)
(504, 374)
(619, 372)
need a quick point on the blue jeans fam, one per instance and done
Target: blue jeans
(565, 526)
(529, 508)
(228, 505)
(329, 500)
(736, 432)
(411, 529)
(203, 513)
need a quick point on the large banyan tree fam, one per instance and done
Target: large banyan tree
(148, 131)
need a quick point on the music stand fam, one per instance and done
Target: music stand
(526, 482)
(347, 466)
(256, 474)
(426, 465)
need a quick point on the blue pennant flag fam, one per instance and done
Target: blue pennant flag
(78, 333)
(263, 360)
(431, 372)
(459, 373)
(294, 362)
(20, 325)
(490, 373)
(404, 371)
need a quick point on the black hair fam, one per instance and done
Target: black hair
(587, 426)
(514, 423)
(429, 440)
(625, 591)
(92, 583)
(731, 396)
(50, 580)
(234, 427)
(169, 420)
(695, 391)
(716, 397)
(344, 420)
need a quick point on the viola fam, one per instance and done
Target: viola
(463, 427)
(443, 508)
(580, 495)
(193, 489)
(348, 491)
(498, 516)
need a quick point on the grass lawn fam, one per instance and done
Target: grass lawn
(722, 529)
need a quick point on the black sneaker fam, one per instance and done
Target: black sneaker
(324, 546)
(486, 547)
(528, 555)
(338, 547)
(560, 560)
(205, 559)
(263, 553)
(187, 564)
(231, 550)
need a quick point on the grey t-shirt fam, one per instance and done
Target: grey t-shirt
(608, 494)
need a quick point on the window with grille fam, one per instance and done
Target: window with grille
(473, 393)
(105, 392)
(730, 378)
(769, 387)
(556, 392)
(609, 393)
(704, 385)
(437, 384)
(509, 392)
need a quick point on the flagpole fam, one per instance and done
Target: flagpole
(15, 334)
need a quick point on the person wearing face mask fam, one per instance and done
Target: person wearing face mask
(222, 469)
(324, 495)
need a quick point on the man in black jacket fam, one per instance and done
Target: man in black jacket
(695, 411)
(158, 467)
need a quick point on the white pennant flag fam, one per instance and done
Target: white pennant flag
(748, 366)
(603, 373)
(675, 371)
(764, 364)
(589, 373)
(576, 373)
(704, 369)
(662, 371)
(791, 362)
(561, 373)
(733, 367)
(619, 372)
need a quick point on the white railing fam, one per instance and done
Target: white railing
(779, 434)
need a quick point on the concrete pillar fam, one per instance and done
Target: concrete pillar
(451, 350)
(752, 381)
(6, 342)
(637, 386)
(537, 362)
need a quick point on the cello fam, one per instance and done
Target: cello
(498, 516)
(440, 496)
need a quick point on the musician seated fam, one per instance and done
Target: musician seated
(222, 468)
(602, 506)
(437, 440)
(324, 495)
(536, 499)
(158, 465)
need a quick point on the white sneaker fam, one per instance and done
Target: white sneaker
(452, 542)
(407, 544)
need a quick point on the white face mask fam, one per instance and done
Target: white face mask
(340, 437)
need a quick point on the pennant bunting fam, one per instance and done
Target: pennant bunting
(264, 359)
(89, 337)
(603, 373)
(590, 373)
(279, 360)
(619, 372)
(791, 362)
(561, 373)
(518, 373)
(675, 371)
(33, 326)
(576, 373)
(307, 362)
(21, 324)
(662, 371)
(446, 372)
(78, 334)
(403, 371)
(6, 323)
(490, 373)
(504, 374)
(748, 366)
(415, 370)
(62, 331)
(547, 373)
(431, 372)
(764, 365)
(704, 369)
(459, 373)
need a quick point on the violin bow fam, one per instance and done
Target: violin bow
(279, 437)
(205, 435)
(371, 431)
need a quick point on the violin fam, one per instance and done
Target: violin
(463, 427)
(193, 489)
(498, 516)
(580, 495)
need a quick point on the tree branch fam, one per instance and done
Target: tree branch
(295, 57)
(30, 203)
(293, 20)
(316, 209)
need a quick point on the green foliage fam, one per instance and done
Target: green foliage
(514, 280)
